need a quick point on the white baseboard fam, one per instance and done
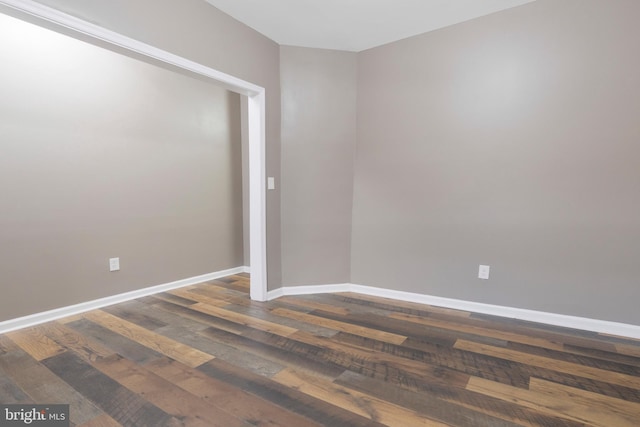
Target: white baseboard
(47, 316)
(246, 269)
(308, 290)
(575, 322)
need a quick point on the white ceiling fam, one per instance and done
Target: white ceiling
(354, 25)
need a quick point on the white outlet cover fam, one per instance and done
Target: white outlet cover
(114, 264)
(483, 272)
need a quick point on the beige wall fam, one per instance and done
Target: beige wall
(318, 145)
(199, 32)
(510, 140)
(105, 156)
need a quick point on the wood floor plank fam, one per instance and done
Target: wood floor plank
(165, 395)
(354, 401)
(103, 420)
(246, 406)
(34, 342)
(302, 302)
(187, 312)
(245, 341)
(448, 412)
(249, 361)
(622, 409)
(397, 305)
(43, 386)
(10, 393)
(165, 296)
(122, 311)
(393, 369)
(557, 365)
(478, 330)
(118, 402)
(84, 347)
(242, 319)
(171, 348)
(168, 318)
(566, 356)
(341, 326)
(265, 314)
(6, 344)
(70, 319)
(315, 409)
(543, 402)
(465, 362)
(198, 297)
(602, 355)
(113, 341)
(393, 326)
(628, 350)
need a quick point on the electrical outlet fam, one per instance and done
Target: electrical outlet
(114, 264)
(483, 272)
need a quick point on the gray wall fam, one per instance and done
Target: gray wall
(197, 31)
(106, 156)
(318, 145)
(510, 140)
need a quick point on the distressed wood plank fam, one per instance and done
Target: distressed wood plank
(545, 403)
(84, 347)
(302, 302)
(103, 420)
(557, 365)
(478, 330)
(118, 402)
(183, 353)
(217, 393)
(243, 319)
(598, 403)
(34, 342)
(341, 326)
(354, 401)
(166, 395)
(315, 409)
(43, 386)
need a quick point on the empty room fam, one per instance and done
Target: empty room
(319, 213)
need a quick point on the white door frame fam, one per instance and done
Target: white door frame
(256, 120)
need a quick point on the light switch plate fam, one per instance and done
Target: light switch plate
(271, 183)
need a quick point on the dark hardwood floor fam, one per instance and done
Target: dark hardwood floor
(207, 355)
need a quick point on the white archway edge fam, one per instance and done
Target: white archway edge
(256, 120)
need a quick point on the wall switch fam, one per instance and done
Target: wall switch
(271, 183)
(114, 264)
(483, 272)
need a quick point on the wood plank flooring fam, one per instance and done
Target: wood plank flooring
(207, 355)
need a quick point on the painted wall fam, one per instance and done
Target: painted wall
(106, 156)
(199, 32)
(318, 146)
(510, 140)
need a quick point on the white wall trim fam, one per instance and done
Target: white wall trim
(583, 323)
(308, 290)
(58, 313)
(255, 120)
